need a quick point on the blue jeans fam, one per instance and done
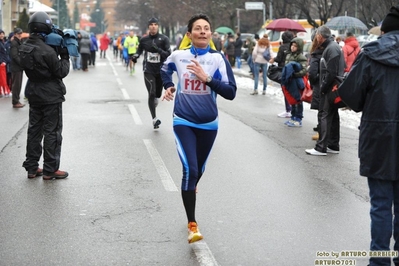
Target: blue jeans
(384, 193)
(258, 66)
(297, 111)
(250, 63)
(238, 61)
(288, 107)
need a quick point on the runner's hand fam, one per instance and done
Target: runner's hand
(168, 95)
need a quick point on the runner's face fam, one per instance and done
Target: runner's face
(153, 28)
(201, 33)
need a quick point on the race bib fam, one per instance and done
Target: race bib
(192, 85)
(153, 57)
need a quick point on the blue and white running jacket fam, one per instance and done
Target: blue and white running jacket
(195, 102)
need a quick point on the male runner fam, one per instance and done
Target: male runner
(156, 48)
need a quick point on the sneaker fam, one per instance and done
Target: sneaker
(315, 136)
(332, 151)
(288, 122)
(314, 152)
(56, 175)
(254, 93)
(193, 233)
(263, 92)
(294, 123)
(156, 122)
(284, 115)
(33, 174)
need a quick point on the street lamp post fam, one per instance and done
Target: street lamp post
(238, 18)
(58, 12)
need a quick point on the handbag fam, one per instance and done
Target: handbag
(307, 92)
(274, 73)
(266, 54)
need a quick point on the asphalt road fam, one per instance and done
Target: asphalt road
(261, 201)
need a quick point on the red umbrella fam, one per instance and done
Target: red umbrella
(283, 24)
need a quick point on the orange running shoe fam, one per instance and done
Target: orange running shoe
(193, 233)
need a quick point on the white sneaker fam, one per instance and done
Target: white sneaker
(284, 115)
(156, 122)
(332, 151)
(314, 152)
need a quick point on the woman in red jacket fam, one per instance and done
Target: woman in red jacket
(350, 50)
(104, 42)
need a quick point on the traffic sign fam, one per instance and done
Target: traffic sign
(254, 5)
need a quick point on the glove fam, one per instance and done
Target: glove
(154, 45)
(64, 54)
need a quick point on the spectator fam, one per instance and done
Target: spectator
(84, 47)
(93, 49)
(16, 69)
(260, 63)
(296, 56)
(350, 50)
(316, 52)
(332, 65)
(283, 50)
(4, 60)
(250, 45)
(237, 50)
(371, 87)
(217, 41)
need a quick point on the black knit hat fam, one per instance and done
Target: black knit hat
(153, 20)
(391, 21)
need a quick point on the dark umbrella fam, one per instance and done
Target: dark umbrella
(345, 22)
(283, 24)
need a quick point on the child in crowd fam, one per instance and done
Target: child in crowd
(297, 56)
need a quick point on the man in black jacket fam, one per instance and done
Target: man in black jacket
(332, 65)
(45, 91)
(156, 48)
(371, 87)
(16, 69)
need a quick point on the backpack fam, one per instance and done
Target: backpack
(27, 60)
(266, 54)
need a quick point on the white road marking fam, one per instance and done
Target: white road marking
(204, 254)
(135, 114)
(125, 94)
(119, 81)
(163, 172)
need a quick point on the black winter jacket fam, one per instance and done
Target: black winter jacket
(314, 72)
(332, 64)
(237, 47)
(14, 55)
(45, 85)
(372, 87)
(156, 49)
